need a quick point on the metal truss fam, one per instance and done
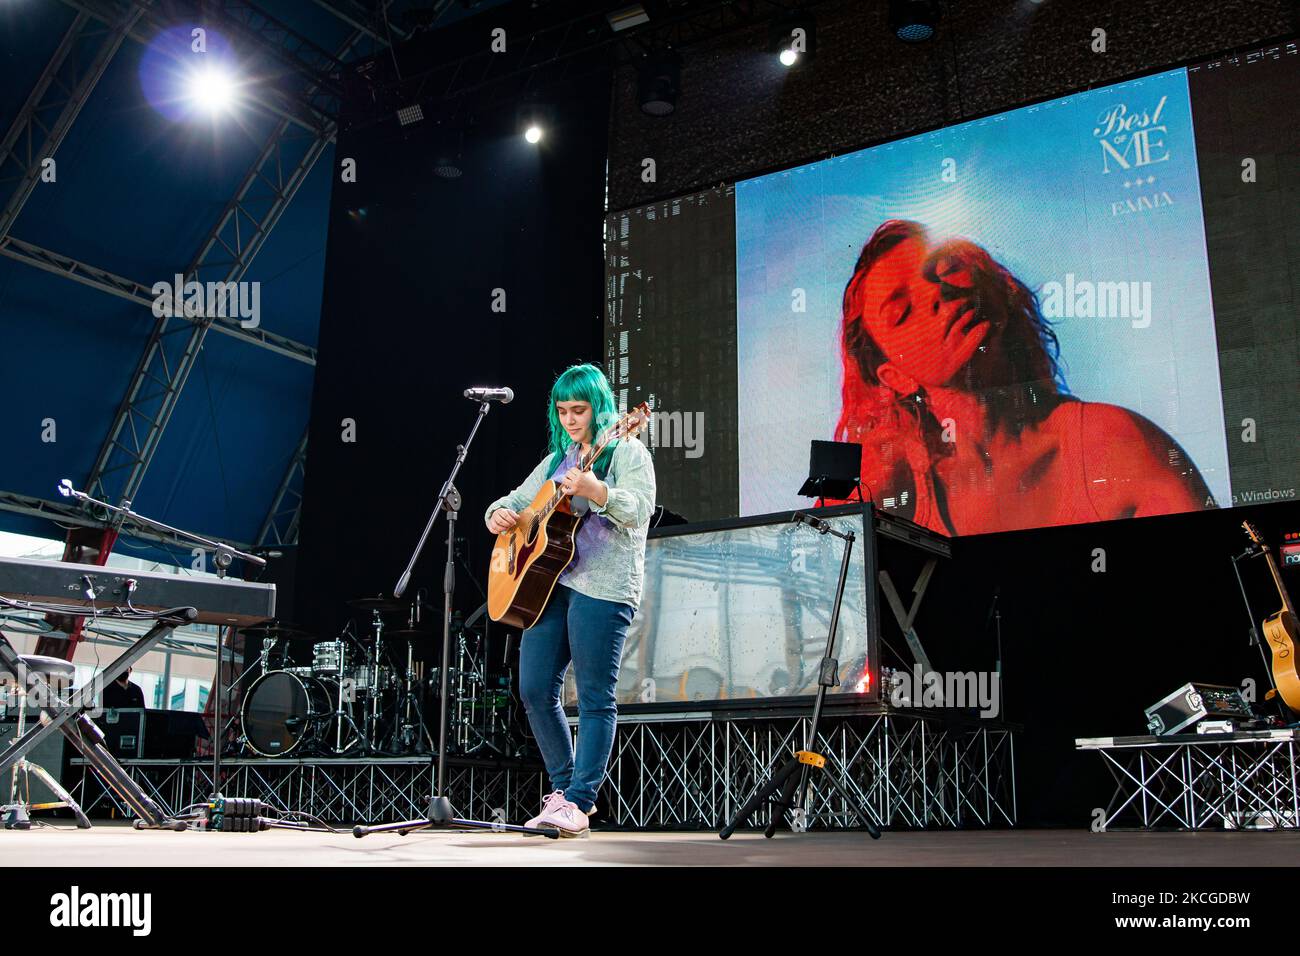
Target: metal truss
(906, 770)
(141, 294)
(313, 63)
(173, 347)
(281, 524)
(1233, 782)
(66, 513)
(339, 792)
(370, 22)
(174, 344)
(551, 50)
(304, 108)
(57, 98)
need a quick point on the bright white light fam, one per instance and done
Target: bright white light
(788, 57)
(213, 89)
(533, 134)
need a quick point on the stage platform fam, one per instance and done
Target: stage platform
(118, 845)
(914, 769)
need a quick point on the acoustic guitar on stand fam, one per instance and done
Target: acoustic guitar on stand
(528, 560)
(1281, 632)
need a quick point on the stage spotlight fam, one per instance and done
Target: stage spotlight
(410, 114)
(793, 39)
(534, 120)
(913, 20)
(213, 88)
(658, 80)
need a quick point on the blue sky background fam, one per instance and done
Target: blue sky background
(1031, 187)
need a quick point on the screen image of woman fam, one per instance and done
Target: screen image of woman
(951, 384)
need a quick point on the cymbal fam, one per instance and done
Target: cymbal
(276, 629)
(380, 604)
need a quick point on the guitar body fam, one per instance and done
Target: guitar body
(1283, 636)
(1281, 631)
(527, 560)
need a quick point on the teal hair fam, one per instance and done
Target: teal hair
(582, 383)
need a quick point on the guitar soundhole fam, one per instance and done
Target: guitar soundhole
(532, 532)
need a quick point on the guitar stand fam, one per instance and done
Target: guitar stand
(81, 732)
(1272, 694)
(791, 779)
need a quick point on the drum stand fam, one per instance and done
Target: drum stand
(373, 716)
(476, 676)
(405, 738)
(339, 717)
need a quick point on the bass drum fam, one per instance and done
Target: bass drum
(287, 713)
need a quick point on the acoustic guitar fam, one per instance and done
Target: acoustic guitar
(1282, 633)
(528, 559)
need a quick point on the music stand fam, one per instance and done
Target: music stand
(834, 471)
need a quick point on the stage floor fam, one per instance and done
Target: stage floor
(117, 846)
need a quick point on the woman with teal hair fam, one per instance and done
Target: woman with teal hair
(585, 623)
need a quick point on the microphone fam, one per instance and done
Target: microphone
(502, 395)
(813, 522)
(68, 491)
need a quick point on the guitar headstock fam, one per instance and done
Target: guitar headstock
(635, 420)
(628, 425)
(1252, 533)
(631, 422)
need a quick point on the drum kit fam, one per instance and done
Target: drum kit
(371, 694)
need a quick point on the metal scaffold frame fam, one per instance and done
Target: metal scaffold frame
(1232, 781)
(338, 792)
(909, 770)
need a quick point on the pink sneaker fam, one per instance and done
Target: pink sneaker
(547, 805)
(567, 818)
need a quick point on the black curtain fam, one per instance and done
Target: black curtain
(412, 267)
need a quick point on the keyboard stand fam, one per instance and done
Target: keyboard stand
(80, 731)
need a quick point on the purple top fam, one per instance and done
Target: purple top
(594, 531)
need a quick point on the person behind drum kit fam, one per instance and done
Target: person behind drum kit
(587, 618)
(122, 693)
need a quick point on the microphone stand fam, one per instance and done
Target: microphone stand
(224, 555)
(441, 814)
(793, 773)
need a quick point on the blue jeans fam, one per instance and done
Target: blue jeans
(590, 633)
